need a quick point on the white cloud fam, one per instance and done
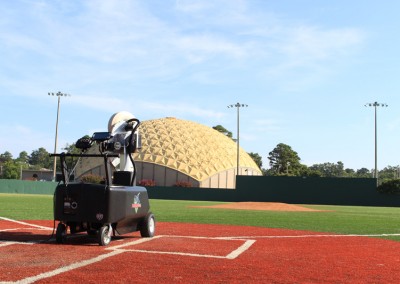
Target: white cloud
(312, 43)
(20, 41)
(190, 6)
(303, 57)
(108, 42)
(101, 103)
(203, 47)
(394, 125)
(266, 124)
(24, 139)
(174, 109)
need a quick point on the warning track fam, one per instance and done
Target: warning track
(189, 253)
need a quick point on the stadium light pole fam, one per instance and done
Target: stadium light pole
(375, 105)
(237, 106)
(59, 95)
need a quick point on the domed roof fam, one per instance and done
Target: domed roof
(196, 150)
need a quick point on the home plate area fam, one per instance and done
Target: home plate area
(192, 253)
(188, 246)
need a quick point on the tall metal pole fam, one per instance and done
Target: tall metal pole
(376, 146)
(55, 141)
(375, 105)
(59, 94)
(238, 106)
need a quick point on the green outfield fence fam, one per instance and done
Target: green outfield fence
(293, 190)
(27, 187)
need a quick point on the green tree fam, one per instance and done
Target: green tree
(256, 158)
(40, 158)
(329, 169)
(5, 157)
(223, 130)
(389, 173)
(363, 173)
(284, 161)
(350, 172)
(311, 172)
(23, 157)
(11, 170)
(71, 148)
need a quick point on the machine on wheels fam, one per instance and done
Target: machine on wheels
(116, 206)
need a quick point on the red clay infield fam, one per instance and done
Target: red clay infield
(192, 253)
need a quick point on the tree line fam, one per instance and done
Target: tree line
(283, 161)
(10, 167)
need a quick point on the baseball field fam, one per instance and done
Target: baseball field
(211, 242)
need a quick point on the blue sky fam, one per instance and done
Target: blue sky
(305, 68)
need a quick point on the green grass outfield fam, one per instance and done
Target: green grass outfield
(338, 219)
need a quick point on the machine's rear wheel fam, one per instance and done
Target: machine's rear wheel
(61, 233)
(104, 235)
(148, 226)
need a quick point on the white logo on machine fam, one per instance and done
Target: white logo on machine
(136, 202)
(99, 216)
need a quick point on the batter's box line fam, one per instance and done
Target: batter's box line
(232, 255)
(308, 236)
(25, 223)
(10, 243)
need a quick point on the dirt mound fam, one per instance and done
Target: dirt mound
(266, 206)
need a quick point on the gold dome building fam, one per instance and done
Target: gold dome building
(175, 150)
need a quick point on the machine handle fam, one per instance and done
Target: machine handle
(130, 126)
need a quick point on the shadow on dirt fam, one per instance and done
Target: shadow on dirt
(46, 237)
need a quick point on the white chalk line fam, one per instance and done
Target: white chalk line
(67, 268)
(174, 253)
(232, 255)
(247, 244)
(21, 229)
(116, 250)
(119, 249)
(132, 243)
(25, 223)
(309, 236)
(4, 243)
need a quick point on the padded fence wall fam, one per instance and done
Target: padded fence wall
(27, 187)
(314, 190)
(294, 190)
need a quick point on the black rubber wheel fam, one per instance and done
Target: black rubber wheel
(148, 226)
(104, 235)
(61, 233)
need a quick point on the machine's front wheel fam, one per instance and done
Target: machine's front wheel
(104, 235)
(61, 233)
(148, 226)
